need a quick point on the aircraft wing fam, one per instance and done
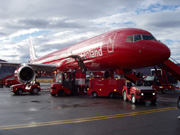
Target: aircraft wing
(10, 64)
(36, 67)
(43, 67)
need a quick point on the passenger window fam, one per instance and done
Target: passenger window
(137, 38)
(129, 38)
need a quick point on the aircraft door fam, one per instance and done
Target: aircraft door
(110, 43)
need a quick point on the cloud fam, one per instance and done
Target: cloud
(159, 19)
(55, 24)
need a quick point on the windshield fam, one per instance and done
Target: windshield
(59, 78)
(137, 37)
(148, 37)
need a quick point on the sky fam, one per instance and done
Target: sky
(55, 24)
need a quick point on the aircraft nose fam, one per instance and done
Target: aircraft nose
(159, 52)
(165, 52)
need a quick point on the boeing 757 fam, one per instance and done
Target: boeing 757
(125, 49)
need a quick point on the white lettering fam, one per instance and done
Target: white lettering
(92, 53)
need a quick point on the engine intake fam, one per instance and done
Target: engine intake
(24, 74)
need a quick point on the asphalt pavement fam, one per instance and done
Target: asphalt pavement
(83, 115)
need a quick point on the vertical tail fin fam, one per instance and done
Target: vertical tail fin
(32, 52)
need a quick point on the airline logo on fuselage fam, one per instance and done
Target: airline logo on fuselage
(94, 51)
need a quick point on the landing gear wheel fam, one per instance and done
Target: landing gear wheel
(94, 94)
(124, 96)
(178, 103)
(61, 93)
(111, 95)
(19, 92)
(133, 99)
(35, 90)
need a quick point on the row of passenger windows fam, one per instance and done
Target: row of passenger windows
(134, 38)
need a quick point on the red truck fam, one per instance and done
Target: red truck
(10, 82)
(139, 93)
(68, 83)
(32, 87)
(105, 87)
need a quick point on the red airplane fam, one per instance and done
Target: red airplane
(126, 48)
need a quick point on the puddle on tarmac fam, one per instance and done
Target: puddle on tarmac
(35, 101)
(68, 106)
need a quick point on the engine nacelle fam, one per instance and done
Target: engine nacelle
(24, 74)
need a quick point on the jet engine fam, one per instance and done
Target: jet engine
(24, 74)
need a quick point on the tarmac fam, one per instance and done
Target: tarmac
(83, 115)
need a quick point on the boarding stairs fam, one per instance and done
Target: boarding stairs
(172, 67)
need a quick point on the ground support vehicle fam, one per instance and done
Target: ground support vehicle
(105, 87)
(32, 88)
(139, 93)
(68, 83)
(10, 82)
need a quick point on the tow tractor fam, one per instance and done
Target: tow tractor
(33, 88)
(66, 83)
(139, 93)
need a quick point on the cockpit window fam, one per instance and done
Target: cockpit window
(129, 38)
(137, 37)
(148, 37)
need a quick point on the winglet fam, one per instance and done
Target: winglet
(32, 52)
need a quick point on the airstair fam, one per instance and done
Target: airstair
(172, 67)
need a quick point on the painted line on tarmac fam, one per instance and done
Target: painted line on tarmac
(80, 120)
